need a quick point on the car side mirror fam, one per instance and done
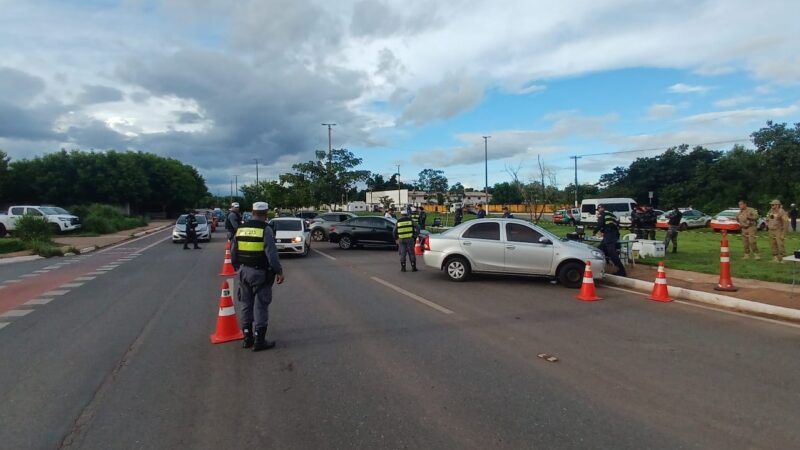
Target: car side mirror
(545, 240)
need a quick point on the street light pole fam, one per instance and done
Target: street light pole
(398, 187)
(330, 147)
(576, 158)
(256, 160)
(486, 167)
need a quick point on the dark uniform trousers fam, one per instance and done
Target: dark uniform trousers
(406, 247)
(255, 296)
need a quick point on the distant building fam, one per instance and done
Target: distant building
(405, 197)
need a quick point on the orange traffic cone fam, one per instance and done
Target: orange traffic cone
(725, 282)
(660, 289)
(588, 293)
(227, 266)
(418, 248)
(227, 328)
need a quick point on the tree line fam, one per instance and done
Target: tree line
(143, 181)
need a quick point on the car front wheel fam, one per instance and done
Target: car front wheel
(345, 243)
(571, 274)
(318, 235)
(457, 268)
(306, 249)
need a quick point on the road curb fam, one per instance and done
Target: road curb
(719, 300)
(17, 259)
(133, 236)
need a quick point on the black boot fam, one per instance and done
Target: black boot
(413, 267)
(185, 247)
(402, 267)
(261, 342)
(248, 336)
(197, 247)
(675, 249)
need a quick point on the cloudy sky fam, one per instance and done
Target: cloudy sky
(417, 83)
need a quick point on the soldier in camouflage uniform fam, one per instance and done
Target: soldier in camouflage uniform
(748, 219)
(776, 221)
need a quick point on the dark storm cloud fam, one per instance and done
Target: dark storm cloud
(99, 94)
(29, 123)
(19, 87)
(97, 135)
(189, 118)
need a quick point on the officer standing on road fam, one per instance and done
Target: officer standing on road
(506, 213)
(647, 223)
(776, 222)
(793, 216)
(414, 215)
(608, 224)
(423, 217)
(405, 234)
(191, 231)
(233, 220)
(481, 212)
(748, 220)
(674, 220)
(254, 255)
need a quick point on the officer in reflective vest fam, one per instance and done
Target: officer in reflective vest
(405, 234)
(254, 255)
(608, 224)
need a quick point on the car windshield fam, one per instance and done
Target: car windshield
(728, 213)
(286, 225)
(49, 211)
(200, 219)
(61, 210)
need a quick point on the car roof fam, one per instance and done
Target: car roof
(287, 218)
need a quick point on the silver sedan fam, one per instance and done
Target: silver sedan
(510, 246)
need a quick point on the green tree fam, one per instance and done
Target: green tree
(432, 180)
(506, 193)
(330, 177)
(779, 146)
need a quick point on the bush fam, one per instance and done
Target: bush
(44, 248)
(32, 228)
(104, 219)
(11, 245)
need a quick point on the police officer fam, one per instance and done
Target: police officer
(793, 217)
(405, 234)
(776, 222)
(647, 222)
(608, 224)
(506, 213)
(748, 220)
(459, 215)
(191, 231)
(674, 221)
(481, 212)
(423, 217)
(233, 220)
(254, 255)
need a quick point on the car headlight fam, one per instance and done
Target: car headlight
(297, 239)
(596, 254)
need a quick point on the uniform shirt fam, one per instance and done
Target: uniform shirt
(269, 248)
(233, 221)
(647, 219)
(776, 220)
(747, 218)
(675, 218)
(608, 224)
(481, 213)
(414, 229)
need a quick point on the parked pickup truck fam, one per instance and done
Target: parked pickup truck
(59, 219)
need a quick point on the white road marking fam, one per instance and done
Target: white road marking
(39, 301)
(72, 285)
(95, 273)
(137, 239)
(58, 292)
(85, 278)
(323, 254)
(106, 268)
(413, 296)
(29, 275)
(763, 319)
(3, 325)
(54, 266)
(41, 271)
(3, 286)
(12, 281)
(16, 313)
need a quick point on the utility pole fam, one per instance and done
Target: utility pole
(398, 187)
(486, 168)
(231, 190)
(576, 158)
(256, 160)
(237, 185)
(330, 146)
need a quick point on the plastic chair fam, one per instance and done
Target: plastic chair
(629, 237)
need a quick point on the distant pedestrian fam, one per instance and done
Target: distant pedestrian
(389, 214)
(674, 221)
(254, 255)
(647, 222)
(415, 215)
(233, 220)
(459, 216)
(793, 216)
(608, 224)
(191, 231)
(748, 220)
(506, 213)
(636, 221)
(423, 217)
(481, 212)
(405, 234)
(776, 222)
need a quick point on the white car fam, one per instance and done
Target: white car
(292, 235)
(691, 218)
(202, 229)
(513, 247)
(59, 220)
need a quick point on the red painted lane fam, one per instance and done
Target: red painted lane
(15, 294)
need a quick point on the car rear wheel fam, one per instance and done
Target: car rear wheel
(345, 243)
(571, 274)
(318, 235)
(3, 231)
(457, 268)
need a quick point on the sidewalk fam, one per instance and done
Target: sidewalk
(87, 244)
(763, 298)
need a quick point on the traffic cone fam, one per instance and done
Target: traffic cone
(660, 289)
(227, 328)
(227, 266)
(588, 293)
(418, 247)
(725, 282)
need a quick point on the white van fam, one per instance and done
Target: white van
(621, 207)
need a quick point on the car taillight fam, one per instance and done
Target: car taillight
(333, 228)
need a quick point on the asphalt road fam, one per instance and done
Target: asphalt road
(369, 357)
